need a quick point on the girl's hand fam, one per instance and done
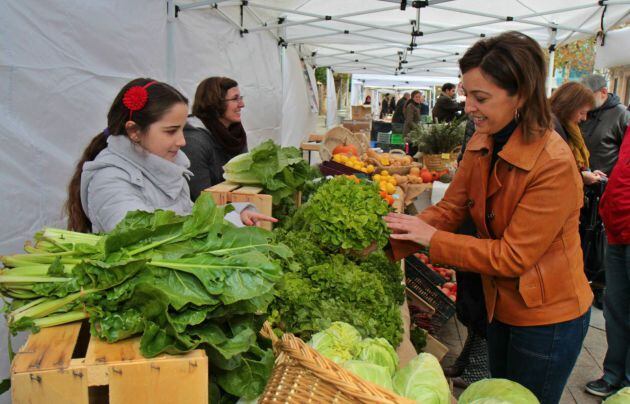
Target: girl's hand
(406, 227)
(250, 217)
(591, 178)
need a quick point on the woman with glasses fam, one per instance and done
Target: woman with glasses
(220, 135)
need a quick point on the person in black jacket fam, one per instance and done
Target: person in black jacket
(399, 111)
(218, 104)
(446, 108)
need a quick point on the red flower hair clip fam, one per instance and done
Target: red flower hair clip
(136, 97)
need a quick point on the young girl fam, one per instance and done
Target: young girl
(136, 162)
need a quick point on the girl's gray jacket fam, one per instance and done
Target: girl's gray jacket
(125, 177)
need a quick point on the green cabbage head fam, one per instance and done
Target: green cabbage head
(379, 352)
(491, 391)
(423, 380)
(370, 372)
(620, 397)
(339, 342)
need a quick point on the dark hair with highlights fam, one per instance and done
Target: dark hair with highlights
(210, 97)
(516, 63)
(568, 98)
(161, 98)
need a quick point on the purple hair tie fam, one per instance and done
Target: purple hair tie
(106, 132)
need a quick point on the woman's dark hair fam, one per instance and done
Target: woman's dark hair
(516, 63)
(568, 98)
(161, 98)
(410, 100)
(210, 97)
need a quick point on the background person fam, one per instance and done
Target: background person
(605, 125)
(570, 104)
(615, 212)
(446, 108)
(527, 248)
(399, 114)
(136, 162)
(218, 104)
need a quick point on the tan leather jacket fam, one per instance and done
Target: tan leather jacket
(526, 212)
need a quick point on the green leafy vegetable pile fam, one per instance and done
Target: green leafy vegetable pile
(321, 286)
(280, 170)
(376, 361)
(345, 215)
(181, 282)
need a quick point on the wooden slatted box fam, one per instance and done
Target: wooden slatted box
(227, 192)
(63, 364)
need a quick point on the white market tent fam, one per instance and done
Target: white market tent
(62, 62)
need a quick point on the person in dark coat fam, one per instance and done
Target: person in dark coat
(384, 106)
(218, 104)
(605, 125)
(446, 108)
(392, 104)
(399, 111)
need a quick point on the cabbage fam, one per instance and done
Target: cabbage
(370, 372)
(620, 397)
(379, 352)
(423, 380)
(501, 390)
(339, 342)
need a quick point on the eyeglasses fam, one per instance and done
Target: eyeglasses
(236, 99)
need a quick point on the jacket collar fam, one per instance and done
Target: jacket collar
(517, 151)
(168, 176)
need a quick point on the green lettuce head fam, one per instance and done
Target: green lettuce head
(491, 391)
(339, 342)
(423, 380)
(620, 397)
(379, 352)
(370, 372)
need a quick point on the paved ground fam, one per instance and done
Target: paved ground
(587, 368)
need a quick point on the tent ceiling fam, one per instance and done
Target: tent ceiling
(374, 36)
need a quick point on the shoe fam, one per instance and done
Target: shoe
(601, 388)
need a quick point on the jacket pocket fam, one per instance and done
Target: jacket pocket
(530, 287)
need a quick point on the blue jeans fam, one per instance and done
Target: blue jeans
(540, 357)
(617, 315)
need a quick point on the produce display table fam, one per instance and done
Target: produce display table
(63, 364)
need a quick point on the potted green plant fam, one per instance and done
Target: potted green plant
(438, 142)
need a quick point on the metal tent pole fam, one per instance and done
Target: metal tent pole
(170, 41)
(552, 58)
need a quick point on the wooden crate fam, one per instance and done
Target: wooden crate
(227, 192)
(63, 364)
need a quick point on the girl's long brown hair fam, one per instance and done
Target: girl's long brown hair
(161, 98)
(516, 63)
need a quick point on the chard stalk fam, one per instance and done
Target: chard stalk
(58, 319)
(176, 265)
(67, 236)
(152, 245)
(48, 307)
(30, 259)
(32, 270)
(29, 305)
(30, 279)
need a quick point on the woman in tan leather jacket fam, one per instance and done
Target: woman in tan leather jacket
(518, 183)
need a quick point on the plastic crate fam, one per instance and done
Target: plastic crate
(386, 147)
(333, 168)
(383, 137)
(423, 284)
(397, 138)
(420, 266)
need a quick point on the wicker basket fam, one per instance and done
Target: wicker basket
(401, 170)
(338, 136)
(302, 375)
(439, 162)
